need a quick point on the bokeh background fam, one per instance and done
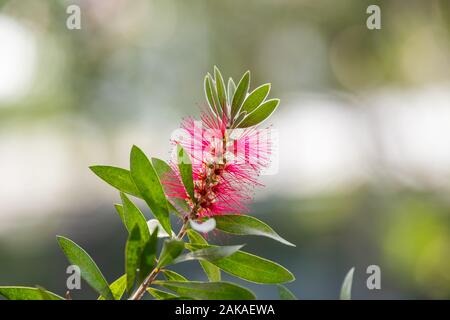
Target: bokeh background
(364, 126)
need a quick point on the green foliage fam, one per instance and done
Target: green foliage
(117, 177)
(161, 295)
(260, 114)
(231, 90)
(243, 109)
(220, 87)
(285, 293)
(185, 167)
(247, 225)
(118, 288)
(173, 276)
(133, 217)
(208, 290)
(170, 251)
(240, 94)
(211, 271)
(346, 289)
(46, 295)
(133, 251)
(255, 98)
(27, 293)
(148, 256)
(149, 185)
(250, 267)
(209, 253)
(89, 270)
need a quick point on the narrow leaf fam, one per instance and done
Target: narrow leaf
(133, 216)
(239, 119)
(260, 114)
(162, 168)
(211, 271)
(170, 251)
(46, 295)
(208, 290)
(89, 270)
(216, 107)
(148, 258)
(285, 293)
(255, 98)
(118, 288)
(121, 213)
(252, 268)
(27, 293)
(210, 253)
(240, 94)
(346, 289)
(161, 295)
(149, 185)
(209, 95)
(165, 173)
(231, 91)
(185, 167)
(220, 87)
(247, 225)
(173, 276)
(133, 251)
(118, 178)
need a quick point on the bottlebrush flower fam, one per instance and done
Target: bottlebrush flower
(226, 158)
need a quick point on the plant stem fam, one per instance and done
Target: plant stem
(143, 287)
(152, 276)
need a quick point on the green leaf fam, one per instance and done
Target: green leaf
(208, 290)
(210, 253)
(185, 167)
(162, 168)
(118, 288)
(181, 203)
(173, 276)
(215, 106)
(27, 293)
(121, 213)
(210, 95)
(133, 252)
(346, 289)
(285, 293)
(171, 250)
(240, 94)
(165, 172)
(148, 257)
(195, 237)
(89, 270)
(252, 268)
(247, 225)
(211, 271)
(149, 185)
(255, 98)
(161, 295)
(231, 90)
(239, 119)
(220, 87)
(134, 217)
(260, 114)
(118, 178)
(46, 295)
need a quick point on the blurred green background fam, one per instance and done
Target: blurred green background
(364, 126)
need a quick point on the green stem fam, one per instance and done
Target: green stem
(152, 276)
